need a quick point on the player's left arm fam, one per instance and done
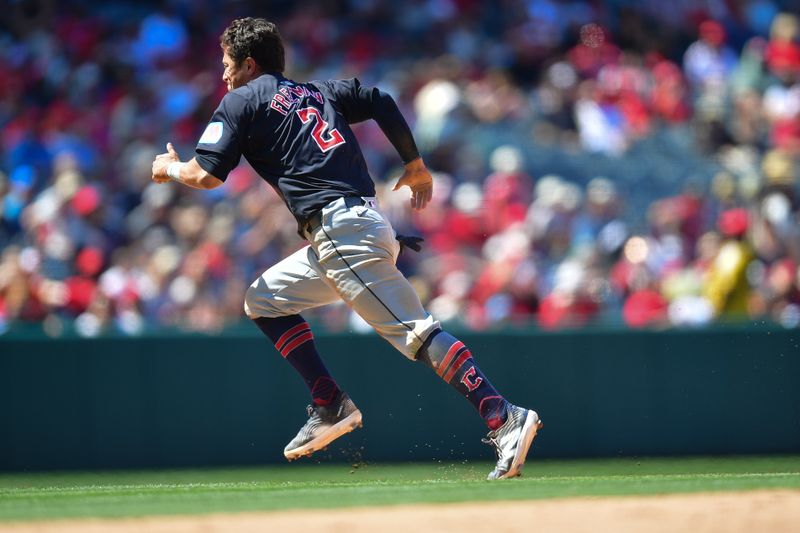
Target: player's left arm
(168, 167)
(218, 149)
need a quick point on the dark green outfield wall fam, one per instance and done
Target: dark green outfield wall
(180, 401)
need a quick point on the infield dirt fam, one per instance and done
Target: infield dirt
(730, 512)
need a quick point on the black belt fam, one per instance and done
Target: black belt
(315, 221)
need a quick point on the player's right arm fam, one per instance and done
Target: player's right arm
(419, 179)
(357, 103)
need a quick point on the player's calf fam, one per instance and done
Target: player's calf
(453, 362)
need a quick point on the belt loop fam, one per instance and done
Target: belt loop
(315, 220)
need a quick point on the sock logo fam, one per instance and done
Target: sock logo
(469, 380)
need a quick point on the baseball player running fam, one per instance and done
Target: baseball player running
(297, 137)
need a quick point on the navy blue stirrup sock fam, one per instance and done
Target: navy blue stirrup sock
(293, 339)
(453, 362)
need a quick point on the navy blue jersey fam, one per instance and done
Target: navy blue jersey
(297, 137)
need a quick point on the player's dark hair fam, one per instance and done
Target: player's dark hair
(256, 38)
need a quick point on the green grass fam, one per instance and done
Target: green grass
(29, 496)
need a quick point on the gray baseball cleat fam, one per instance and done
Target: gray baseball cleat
(325, 424)
(512, 440)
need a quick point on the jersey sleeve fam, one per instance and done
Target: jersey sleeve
(358, 103)
(350, 98)
(219, 148)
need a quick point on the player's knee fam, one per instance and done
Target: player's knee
(249, 307)
(257, 303)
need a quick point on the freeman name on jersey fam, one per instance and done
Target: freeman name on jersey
(288, 95)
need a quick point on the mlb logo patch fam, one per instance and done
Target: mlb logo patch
(212, 134)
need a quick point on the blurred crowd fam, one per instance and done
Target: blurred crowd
(596, 163)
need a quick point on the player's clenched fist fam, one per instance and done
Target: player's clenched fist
(419, 180)
(162, 162)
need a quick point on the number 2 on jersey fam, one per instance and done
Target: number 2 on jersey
(325, 139)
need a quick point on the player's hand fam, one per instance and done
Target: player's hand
(419, 180)
(161, 162)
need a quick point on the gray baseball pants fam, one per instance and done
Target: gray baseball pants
(351, 256)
